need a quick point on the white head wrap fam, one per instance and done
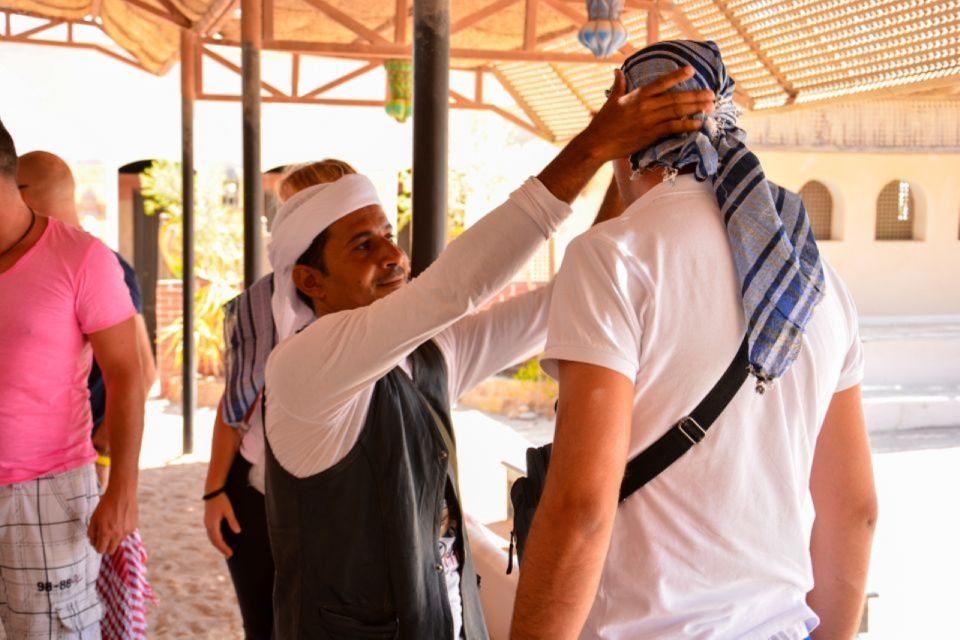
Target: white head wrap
(300, 220)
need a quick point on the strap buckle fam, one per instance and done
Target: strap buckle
(691, 429)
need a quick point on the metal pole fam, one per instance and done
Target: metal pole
(431, 90)
(251, 27)
(188, 96)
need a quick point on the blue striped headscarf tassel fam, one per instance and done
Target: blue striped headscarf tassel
(774, 251)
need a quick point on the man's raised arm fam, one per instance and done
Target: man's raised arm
(363, 344)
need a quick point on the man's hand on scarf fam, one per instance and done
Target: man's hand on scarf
(114, 518)
(629, 122)
(215, 511)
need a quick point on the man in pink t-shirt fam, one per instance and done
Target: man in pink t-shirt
(62, 300)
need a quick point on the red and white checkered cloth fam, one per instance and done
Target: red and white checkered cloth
(125, 592)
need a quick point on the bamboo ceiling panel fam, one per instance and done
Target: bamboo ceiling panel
(781, 52)
(820, 49)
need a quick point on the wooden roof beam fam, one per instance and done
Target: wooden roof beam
(390, 50)
(356, 27)
(356, 73)
(530, 25)
(38, 29)
(236, 69)
(482, 14)
(462, 102)
(400, 15)
(176, 20)
(75, 45)
(525, 106)
(218, 13)
(175, 11)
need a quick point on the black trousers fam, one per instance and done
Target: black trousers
(251, 565)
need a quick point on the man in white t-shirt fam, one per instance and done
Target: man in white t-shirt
(362, 498)
(648, 311)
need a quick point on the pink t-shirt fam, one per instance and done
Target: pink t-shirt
(67, 286)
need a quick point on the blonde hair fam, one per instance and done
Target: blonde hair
(299, 177)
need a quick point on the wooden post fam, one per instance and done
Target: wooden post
(431, 91)
(251, 27)
(188, 59)
(653, 25)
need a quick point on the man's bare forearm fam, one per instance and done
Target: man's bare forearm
(223, 450)
(568, 173)
(845, 500)
(841, 557)
(124, 424)
(571, 532)
(561, 570)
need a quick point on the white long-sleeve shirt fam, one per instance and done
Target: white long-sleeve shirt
(319, 382)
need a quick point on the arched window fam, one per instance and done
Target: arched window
(896, 211)
(819, 204)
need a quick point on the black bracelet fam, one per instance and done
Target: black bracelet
(214, 494)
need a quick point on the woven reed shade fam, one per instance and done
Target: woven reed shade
(782, 53)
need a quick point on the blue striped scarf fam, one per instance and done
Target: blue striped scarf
(774, 251)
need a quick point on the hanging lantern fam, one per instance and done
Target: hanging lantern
(399, 89)
(604, 33)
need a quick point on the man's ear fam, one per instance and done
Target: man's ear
(309, 281)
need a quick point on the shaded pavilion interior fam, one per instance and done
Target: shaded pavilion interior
(786, 56)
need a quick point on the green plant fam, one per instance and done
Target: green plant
(218, 265)
(529, 371)
(457, 193)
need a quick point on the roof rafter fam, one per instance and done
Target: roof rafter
(236, 69)
(29, 36)
(39, 29)
(174, 19)
(400, 15)
(390, 50)
(215, 16)
(356, 27)
(462, 102)
(785, 84)
(347, 77)
(528, 110)
(482, 14)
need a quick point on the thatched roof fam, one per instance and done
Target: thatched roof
(782, 53)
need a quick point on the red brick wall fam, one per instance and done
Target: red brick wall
(169, 310)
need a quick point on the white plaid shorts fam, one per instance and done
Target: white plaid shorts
(48, 570)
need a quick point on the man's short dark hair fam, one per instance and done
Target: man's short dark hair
(8, 154)
(313, 257)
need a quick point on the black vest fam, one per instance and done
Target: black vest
(355, 546)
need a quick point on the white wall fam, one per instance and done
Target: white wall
(912, 278)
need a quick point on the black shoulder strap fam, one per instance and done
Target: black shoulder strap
(688, 431)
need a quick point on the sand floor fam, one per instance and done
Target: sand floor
(187, 573)
(914, 566)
